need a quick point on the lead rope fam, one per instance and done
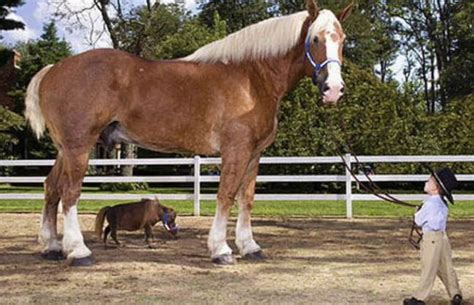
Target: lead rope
(376, 190)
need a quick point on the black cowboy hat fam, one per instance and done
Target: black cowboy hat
(446, 180)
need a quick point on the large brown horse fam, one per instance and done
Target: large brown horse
(222, 99)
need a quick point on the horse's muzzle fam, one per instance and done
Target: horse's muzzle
(332, 92)
(172, 229)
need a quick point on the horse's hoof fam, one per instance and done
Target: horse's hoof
(53, 255)
(223, 260)
(81, 262)
(255, 256)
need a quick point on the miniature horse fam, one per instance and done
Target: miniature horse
(221, 100)
(134, 216)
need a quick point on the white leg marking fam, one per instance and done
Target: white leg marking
(73, 242)
(243, 235)
(47, 236)
(216, 242)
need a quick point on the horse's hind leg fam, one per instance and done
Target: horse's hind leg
(113, 219)
(106, 234)
(248, 248)
(48, 232)
(75, 166)
(113, 230)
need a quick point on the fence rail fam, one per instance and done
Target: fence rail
(197, 178)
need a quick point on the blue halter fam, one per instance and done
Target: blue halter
(316, 67)
(165, 217)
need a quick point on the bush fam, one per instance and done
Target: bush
(124, 186)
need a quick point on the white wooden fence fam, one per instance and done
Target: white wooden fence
(197, 178)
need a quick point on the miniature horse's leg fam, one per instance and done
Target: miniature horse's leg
(235, 160)
(75, 166)
(149, 235)
(248, 248)
(113, 230)
(106, 234)
(48, 235)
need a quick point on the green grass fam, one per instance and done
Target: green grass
(261, 208)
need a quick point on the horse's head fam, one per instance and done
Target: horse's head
(168, 218)
(323, 50)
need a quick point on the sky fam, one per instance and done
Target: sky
(34, 14)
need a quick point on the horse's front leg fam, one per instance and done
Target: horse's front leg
(148, 236)
(235, 160)
(248, 248)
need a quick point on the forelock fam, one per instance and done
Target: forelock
(326, 21)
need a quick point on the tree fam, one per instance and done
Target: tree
(5, 9)
(437, 36)
(49, 49)
(191, 36)
(143, 29)
(10, 123)
(237, 14)
(458, 75)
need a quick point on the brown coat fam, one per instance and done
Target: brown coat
(133, 216)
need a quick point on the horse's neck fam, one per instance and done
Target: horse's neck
(279, 75)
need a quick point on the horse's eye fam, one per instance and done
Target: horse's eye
(315, 40)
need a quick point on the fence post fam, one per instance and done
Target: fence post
(197, 185)
(347, 159)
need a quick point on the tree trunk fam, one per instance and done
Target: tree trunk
(102, 6)
(129, 151)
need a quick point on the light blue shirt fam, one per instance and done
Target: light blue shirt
(433, 215)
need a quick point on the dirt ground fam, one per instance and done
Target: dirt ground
(309, 261)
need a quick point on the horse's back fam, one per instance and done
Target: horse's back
(132, 216)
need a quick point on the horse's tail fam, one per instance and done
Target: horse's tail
(32, 110)
(99, 221)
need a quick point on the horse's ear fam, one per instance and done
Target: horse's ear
(342, 16)
(312, 8)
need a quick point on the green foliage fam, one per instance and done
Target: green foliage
(237, 14)
(458, 75)
(124, 186)
(49, 49)
(143, 30)
(10, 122)
(454, 127)
(191, 36)
(166, 32)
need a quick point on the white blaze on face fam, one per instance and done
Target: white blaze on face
(334, 80)
(325, 23)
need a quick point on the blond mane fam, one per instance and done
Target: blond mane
(268, 38)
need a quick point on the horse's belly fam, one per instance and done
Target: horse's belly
(158, 138)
